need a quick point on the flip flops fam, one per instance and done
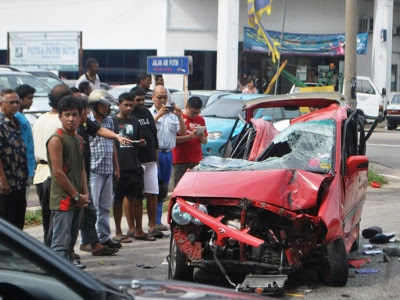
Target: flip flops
(156, 233)
(105, 251)
(122, 239)
(145, 237)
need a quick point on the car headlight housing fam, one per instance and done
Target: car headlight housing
(213, 135)
(202, 208)
(183, 218)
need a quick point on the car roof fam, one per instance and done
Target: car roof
(199, 92)
(299, 99)
(247, 97)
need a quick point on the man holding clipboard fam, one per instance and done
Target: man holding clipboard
(187, 153)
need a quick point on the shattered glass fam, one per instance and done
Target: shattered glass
(307, 146)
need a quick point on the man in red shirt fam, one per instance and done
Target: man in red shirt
(187, 153)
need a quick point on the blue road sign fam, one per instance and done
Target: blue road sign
(168, 65)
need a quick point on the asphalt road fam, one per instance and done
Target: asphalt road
(147, 259)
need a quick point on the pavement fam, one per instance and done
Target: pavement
(147, 259)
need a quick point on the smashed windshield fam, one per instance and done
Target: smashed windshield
(308, 146)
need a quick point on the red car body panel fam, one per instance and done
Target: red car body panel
(290, 189)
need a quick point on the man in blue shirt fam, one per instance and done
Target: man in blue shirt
(26, 93)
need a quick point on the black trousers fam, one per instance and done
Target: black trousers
(43, 192)
(13, 207)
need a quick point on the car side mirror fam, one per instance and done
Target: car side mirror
(356, 163)
(383, 92)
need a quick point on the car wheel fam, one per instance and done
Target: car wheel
(178, 268)
(336, 269)
(391, 125)
(356, 243)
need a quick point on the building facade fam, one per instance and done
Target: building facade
(122, 33)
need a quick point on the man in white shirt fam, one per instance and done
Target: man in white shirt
(168, 123)
(92, 68)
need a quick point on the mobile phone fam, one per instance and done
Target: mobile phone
(170, 108)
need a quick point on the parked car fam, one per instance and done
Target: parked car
(72, 82)
(49, 78)
(206, 96)
(393, 111)
(295, 198)
(12, 79)
(30, 270)
(222, 114)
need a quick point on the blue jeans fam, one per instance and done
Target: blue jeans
(65, 231)
(164, 173)
(101, 186)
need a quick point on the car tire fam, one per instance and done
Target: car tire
(336, 269)
(391, 125)
(178, 268)
(356, 243)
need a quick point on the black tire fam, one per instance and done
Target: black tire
(391, 125)
(336, 269)
(356, 243)
(178, 268)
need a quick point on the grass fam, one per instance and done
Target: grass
(33, 218)
(373, 176)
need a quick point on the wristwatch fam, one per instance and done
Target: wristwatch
(76, 198)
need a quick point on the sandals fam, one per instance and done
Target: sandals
(156, 233)
(130, 234)
(145, 237)
(105, 251)
(122, 239)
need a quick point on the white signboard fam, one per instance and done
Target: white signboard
(46, 50)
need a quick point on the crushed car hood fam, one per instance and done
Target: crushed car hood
(290, 189)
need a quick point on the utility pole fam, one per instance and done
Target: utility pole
(350, 60)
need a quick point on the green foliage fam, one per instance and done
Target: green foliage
(373, 176)
(33, 217)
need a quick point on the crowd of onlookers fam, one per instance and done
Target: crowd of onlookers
(85, 159)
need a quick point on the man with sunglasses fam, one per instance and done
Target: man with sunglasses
(13, 163)
(187, 153)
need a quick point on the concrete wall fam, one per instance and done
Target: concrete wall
(173, 26)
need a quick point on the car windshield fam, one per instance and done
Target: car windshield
(395, 99)
(224, 108)
(307, 146)
(12, 81)
(11, 260)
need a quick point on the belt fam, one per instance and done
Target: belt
(164, 150)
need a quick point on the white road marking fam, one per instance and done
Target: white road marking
(384, 145)
(391, 176)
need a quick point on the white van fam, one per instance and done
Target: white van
(369, 99)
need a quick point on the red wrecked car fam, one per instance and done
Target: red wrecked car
(290, 194)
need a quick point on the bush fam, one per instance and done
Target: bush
(33, 217)
(373, 176)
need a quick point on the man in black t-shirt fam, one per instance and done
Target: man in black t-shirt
(148, 156)
(129, 189)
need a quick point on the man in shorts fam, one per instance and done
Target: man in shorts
(148, 156)
(129, 188)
